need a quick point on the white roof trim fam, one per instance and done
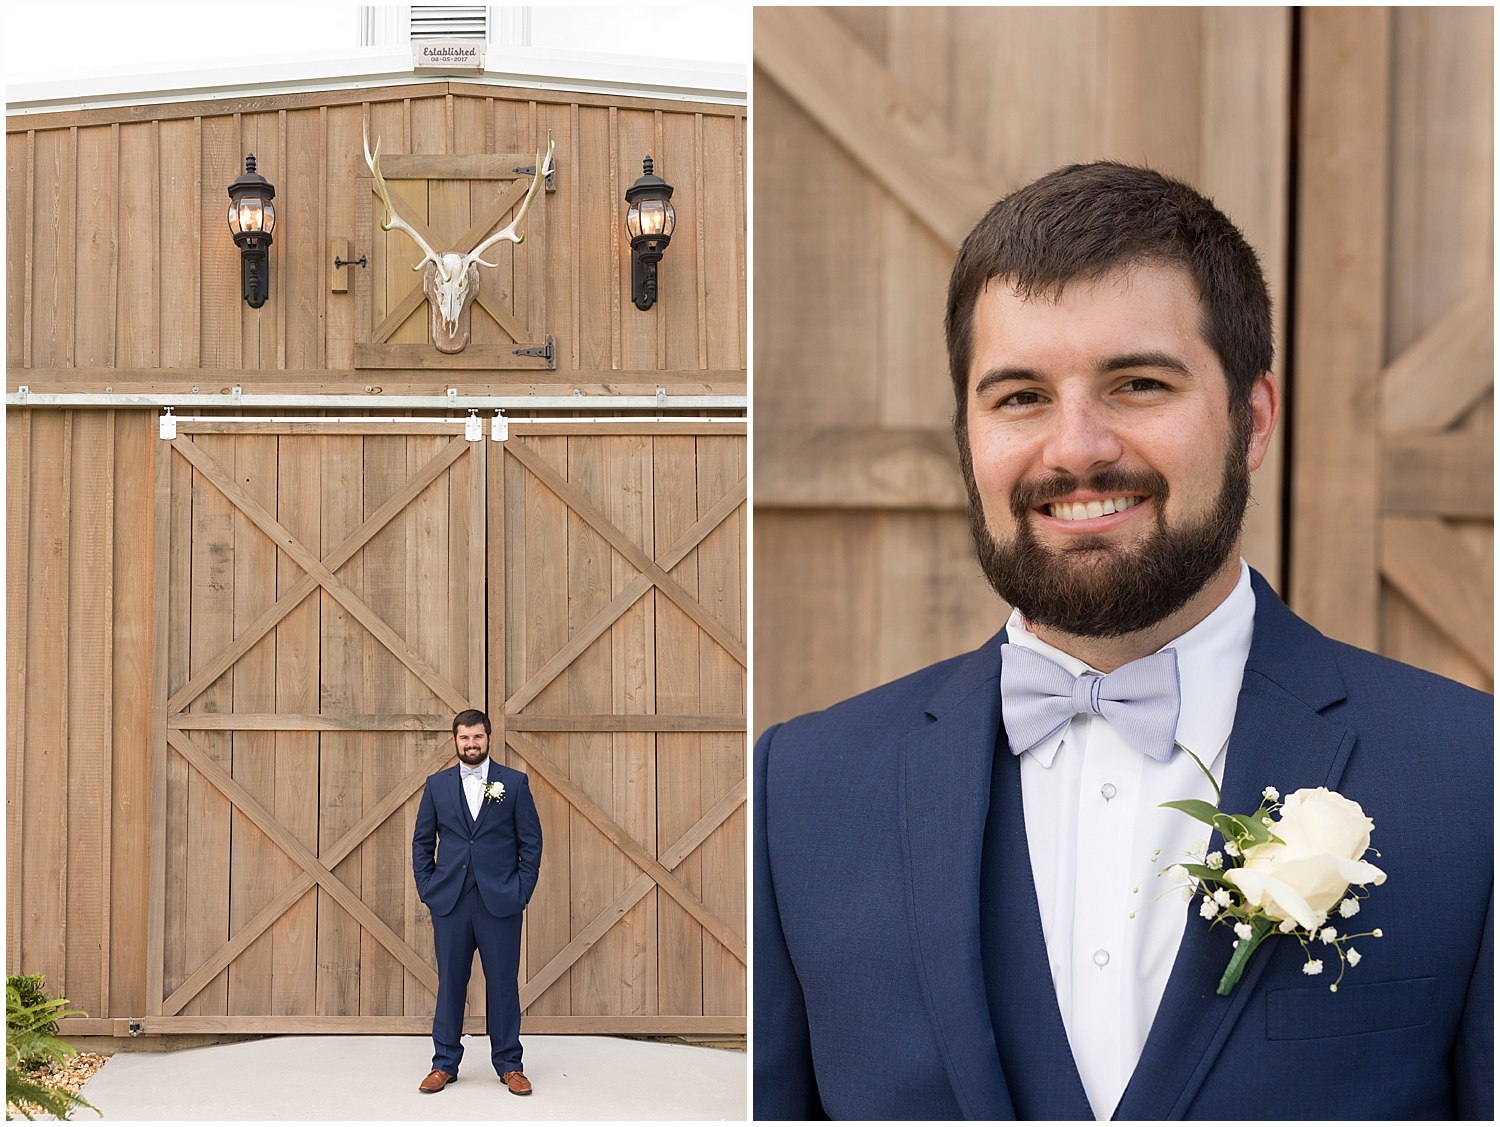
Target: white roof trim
(526, 67)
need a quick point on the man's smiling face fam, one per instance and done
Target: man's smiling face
(472, 743)
(1109, 471)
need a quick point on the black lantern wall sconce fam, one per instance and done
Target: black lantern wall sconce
(252, 218)
(650, 219)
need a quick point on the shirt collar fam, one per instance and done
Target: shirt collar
(1210, 666)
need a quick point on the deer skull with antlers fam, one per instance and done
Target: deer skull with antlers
(451, 281)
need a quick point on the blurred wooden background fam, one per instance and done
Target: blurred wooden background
(1354, 147)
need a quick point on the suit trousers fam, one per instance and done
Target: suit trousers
(456, 936)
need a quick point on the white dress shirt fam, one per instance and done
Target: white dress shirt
(1098, 840)
(473, 786)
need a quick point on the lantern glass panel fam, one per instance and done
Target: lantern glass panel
(653, 216)
(251, 215)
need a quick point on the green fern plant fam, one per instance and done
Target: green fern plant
(30, 1042)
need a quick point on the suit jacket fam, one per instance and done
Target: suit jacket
(503, 846)
(875, 995)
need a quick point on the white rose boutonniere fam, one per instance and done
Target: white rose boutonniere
(1298, 859)
(494, 792)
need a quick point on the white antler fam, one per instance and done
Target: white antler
(393, 221)
(512, 230)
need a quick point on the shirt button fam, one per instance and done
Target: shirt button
(1101, 958)
(1108, 791)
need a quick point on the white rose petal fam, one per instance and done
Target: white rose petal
(1315, 966)
(1323, 836)
(1353, 956)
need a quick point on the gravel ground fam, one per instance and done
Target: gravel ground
(78, 1070)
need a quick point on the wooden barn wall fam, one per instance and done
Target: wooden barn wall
(1392, 517)
(121, 276)
(78, 696)
(120, 261)
(881, 136)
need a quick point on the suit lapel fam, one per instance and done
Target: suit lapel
(1279, 739)
(943, 803)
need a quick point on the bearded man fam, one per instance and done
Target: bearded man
(958, 906)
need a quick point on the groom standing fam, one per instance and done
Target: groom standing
(476, 851)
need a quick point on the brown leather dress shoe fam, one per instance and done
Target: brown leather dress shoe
(517, 1083)
(436, 1081)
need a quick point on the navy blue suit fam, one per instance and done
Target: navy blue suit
(476, 876)
(900, 967)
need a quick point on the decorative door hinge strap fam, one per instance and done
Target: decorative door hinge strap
(549, 181)
(544, 350)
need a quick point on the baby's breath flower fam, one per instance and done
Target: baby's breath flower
(1353, 956)
(1377, 933)
(1328, 934)
(1288, 926)
(1272, 793)
(1214, 860)
(1350, 907)
(1176, 874)
(1312, 967)
(1243, 930)
(1222, 897)
(1208, 910)
(1231, 848)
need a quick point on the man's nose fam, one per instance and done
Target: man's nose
(1081, 437)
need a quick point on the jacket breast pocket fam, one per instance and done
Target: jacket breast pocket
(1315, 1011)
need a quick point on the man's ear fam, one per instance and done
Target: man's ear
(1265, 409)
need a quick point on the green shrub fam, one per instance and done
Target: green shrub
(30, 1042)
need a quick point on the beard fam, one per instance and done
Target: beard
(478, 755)
(1098, 589)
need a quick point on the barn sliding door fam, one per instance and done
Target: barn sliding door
(622, 675)
(320, 609)
(327, 596)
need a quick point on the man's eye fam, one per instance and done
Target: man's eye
(1021, 399)
(1144, 383)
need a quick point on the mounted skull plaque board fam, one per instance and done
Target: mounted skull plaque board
(432, 221)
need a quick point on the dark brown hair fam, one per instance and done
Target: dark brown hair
(1083, 220)
(468, 718)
